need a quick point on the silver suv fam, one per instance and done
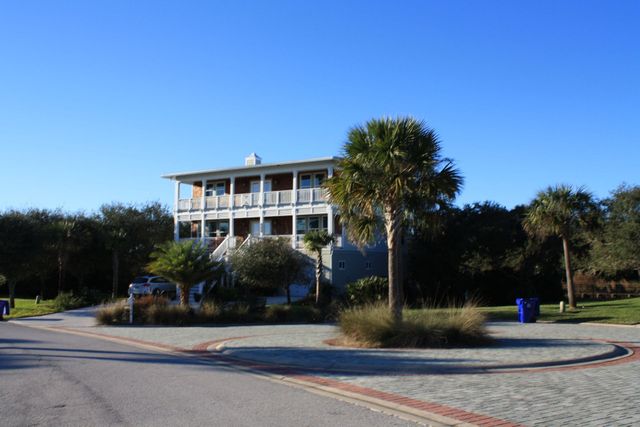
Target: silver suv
(152, 285)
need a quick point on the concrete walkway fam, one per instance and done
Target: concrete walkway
(535, 374)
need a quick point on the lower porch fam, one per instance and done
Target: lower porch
(292, 228)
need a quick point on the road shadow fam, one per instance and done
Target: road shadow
(366, 362)
(23, 354)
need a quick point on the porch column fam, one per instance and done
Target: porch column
(294, 213)
(330, 215)
(203, 200)
(232, 192)
(330, 210)
(176, 201)
(261, 204)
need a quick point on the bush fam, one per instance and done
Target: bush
(374, 326)
(112, 314)
(157, 311)
(268, 264)
(67, 301)
(368, 290)
(162, 314)
(292, 313)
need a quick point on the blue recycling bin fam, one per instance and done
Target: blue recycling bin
(4, 308)
(527, 309)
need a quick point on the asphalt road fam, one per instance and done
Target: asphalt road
(58, 379)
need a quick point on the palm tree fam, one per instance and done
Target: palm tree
(315, 241)
(391, 176)
(186, 263)
(560, 211)
(64, 231)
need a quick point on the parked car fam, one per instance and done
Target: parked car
(152, 285)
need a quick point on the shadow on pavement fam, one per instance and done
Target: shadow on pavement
(364, 362)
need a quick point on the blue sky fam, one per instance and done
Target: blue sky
(99, 98)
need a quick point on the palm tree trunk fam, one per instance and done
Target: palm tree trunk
(42, 286)
(318, 275)
(59, 273)
(400, 265)
(569, 273)
(392, 224)
(12, 294)
(115, 264)
(184, 295)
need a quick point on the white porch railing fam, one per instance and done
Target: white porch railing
(275, 198)
(246, 200)
(221, 250)
(252, 200)
(337, 242)
(312, 195)
(217, 202)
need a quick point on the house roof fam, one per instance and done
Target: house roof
(248, 169)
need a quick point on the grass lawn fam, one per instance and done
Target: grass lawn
(28, 307)
(622, 311)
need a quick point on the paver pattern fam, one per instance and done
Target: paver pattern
(589, 395)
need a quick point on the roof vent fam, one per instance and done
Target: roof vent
(252, 160)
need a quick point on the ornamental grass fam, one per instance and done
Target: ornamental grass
(373, 326)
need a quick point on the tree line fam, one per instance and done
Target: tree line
(485, 250)
(47, 252)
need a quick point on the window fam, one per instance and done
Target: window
(309, 180)
(217, 228)
(195, 229)
(342, 265)
(215, 189)
(367, 265)
(305, 181)
(301, 226)
(314, 223)
(255, 186)
(304, 224)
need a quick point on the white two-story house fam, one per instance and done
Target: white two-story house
(226, 207)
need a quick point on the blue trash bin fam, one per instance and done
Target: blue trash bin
(526, 310)
(4, 308)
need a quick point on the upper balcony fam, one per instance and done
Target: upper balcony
(270, 199)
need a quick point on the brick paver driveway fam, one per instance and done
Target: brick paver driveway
(526, 378)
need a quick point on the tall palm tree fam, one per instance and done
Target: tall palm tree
(64, 231)
(391, 176)
(186, 263)
(560, 211)
(315, 241)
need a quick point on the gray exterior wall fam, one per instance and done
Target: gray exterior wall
(355, 266)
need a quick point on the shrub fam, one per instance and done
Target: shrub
(270, 264)
(68, 301)
(162, 314)
(231, 313)
(157, 311)
(209, 312)
(292, 313)
(374, 326)
(112, 314)
(368, 290)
